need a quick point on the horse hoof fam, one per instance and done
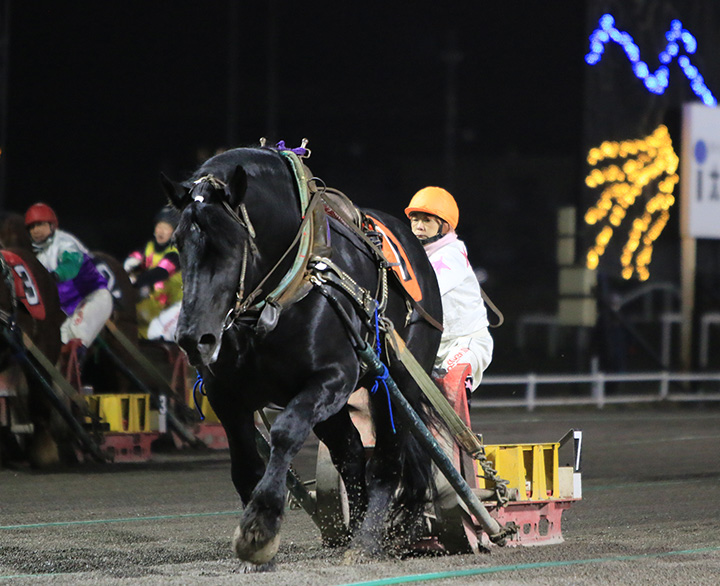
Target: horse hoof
(355, 556)
(250, 568)
(246, 550)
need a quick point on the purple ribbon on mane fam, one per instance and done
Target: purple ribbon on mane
(299, 151)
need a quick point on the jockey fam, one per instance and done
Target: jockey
(155, 272)
(83, 291)
(466, 339)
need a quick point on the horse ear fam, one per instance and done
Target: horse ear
(177, 193)
(238, 185)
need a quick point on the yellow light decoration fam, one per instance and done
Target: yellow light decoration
(623, 179)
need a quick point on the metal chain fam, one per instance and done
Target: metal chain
(501, 485)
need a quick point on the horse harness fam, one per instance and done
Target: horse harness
(7, 318)
(313, 266)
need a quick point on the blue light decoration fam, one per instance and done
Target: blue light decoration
(656, 82)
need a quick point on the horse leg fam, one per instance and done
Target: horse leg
(348, 455)
(256, 538)
(397, 486)
(246, 465)
(383, 473)
(247, 469)
(43, 449)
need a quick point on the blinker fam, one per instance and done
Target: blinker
(268, 319)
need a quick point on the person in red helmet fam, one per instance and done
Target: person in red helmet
(466, 339)
(83, 291)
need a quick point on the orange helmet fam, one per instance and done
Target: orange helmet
(40, 212)
(436, 201)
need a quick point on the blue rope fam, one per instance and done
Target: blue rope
(382, 378)
(199, 385)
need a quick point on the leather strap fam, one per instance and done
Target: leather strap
(463, 435)
(493, 307)
(378, 253)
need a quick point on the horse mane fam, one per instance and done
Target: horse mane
(265, 175)
(256, 163)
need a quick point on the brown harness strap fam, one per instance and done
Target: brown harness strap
(312, 237)
(345, 217)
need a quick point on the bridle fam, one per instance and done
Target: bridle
(243, 303)
(241, 217)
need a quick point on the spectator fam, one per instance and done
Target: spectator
(155, 272)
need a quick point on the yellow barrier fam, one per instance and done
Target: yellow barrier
(129, 413)
(532, 469)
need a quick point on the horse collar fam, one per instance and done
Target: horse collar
(292, 285)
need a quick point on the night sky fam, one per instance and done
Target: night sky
(103, 96)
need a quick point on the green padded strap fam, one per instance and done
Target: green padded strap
(306, 237)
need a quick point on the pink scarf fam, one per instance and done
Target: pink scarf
(433, 247)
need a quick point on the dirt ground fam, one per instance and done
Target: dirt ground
(650, 514)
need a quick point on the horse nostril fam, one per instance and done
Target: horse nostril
(185, 342)
(207, 340)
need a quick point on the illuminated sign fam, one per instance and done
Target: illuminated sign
(677, 38)
(701, 171)
(623, 170)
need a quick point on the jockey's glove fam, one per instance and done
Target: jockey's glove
(131, 263)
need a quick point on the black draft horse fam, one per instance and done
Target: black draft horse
(246, 199)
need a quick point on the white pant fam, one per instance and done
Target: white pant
(164, 325)
(88, 318)
(475, 350)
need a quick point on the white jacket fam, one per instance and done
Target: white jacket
(466, 337)
(464, 311)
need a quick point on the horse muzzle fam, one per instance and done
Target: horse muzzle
(201, 351)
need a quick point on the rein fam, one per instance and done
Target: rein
(243, 305)
(308, 207)
(242, 218)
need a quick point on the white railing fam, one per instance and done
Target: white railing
(596, 395)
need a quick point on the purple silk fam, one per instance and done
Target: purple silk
(73, 291)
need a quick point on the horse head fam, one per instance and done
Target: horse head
(13, 233)
(208, 237)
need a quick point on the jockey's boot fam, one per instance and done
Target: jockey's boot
(72, 358)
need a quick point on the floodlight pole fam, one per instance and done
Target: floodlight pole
(452, 57)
